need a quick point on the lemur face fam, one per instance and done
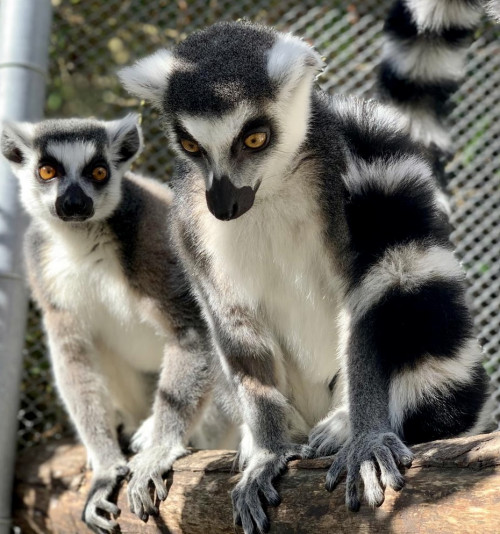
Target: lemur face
(235, 153)
(235, 102)
(71, 170)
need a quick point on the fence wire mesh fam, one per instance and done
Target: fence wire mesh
(92, 39)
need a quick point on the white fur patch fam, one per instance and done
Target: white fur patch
(147, 79)
(431, 377)
(425, 61)
(387, 175)
(74, 156)
(426, 129)
(379, 117)
(290, 59)
(406, 267)
(293, 287)
(442, 14)
(89, 282)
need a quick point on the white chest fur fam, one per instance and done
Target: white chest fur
(84, 277)
(275, 260)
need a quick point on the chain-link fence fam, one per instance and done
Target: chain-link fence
(92, 39)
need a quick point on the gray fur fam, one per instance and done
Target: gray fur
(116, 304)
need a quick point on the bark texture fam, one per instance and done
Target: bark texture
(452, 487)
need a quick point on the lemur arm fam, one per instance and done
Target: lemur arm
(82, 387)
(86, 397)
(186, 380)
(249, 358)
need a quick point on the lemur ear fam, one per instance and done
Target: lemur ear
(148, 78)
(290, 60)
(125, 137)
(16, 141)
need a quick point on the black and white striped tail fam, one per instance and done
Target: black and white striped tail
(423, 60)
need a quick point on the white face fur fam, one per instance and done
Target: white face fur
(70, 171)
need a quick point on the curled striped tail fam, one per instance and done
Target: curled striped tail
(423, 60)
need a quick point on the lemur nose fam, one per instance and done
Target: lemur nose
(226, 201)
(74, 204)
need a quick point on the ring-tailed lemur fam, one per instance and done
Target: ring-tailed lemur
(115, 300)
(311, 231)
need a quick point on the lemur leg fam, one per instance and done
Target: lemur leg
(85, 394)
(248, 358)
(185, 382)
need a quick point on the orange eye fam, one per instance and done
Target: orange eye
(190, 146)
(46, 172)
(256, 140)
(99, 174)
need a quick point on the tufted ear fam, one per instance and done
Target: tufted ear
(291, 60)
(16, 141)
(125, 136)
(148, 78)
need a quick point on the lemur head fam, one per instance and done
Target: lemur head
(235, 100)
(71, 169)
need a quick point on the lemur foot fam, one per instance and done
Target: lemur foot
(256, 485)
(375, 458)
(147, 468)
(141, 439)
(100, 507)
(331, 433)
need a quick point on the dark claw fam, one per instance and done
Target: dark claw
(354, 505)
(406, 461)
(400, 486)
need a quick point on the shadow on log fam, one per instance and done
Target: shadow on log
(452, 487)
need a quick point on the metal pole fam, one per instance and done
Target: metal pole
(24, 44)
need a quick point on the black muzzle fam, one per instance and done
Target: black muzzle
(226, 201)
(74, 205)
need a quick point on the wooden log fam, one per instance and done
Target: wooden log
(452, 487)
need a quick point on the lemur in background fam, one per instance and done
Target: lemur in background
(116, 303)
(311, 230)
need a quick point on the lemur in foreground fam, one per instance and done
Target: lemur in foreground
(311, 231)
(115, 300)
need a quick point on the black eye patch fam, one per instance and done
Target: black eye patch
(96, 161)
(181, 134)
(50, 161)
(256, 125)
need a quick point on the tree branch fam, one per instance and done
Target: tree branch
(453, 486)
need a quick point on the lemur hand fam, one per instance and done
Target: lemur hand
(149, 466)
(102, 496)
(375, 458)
(257, 483)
